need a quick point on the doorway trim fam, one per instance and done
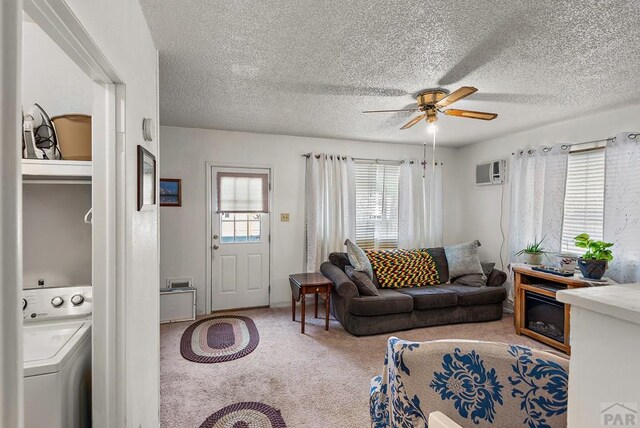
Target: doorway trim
(11, 361)
(59, 22)
(209, 213)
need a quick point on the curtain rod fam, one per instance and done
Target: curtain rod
(387, 161)
(399, 162)
(566, 146)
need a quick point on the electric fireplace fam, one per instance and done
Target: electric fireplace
(544, 315)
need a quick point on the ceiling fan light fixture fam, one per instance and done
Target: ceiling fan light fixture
(432, 102)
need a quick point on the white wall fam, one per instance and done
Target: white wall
(53, 215)
(57, 242)
(183, 230)
(50, 78)
(119, 28)
(480, 205)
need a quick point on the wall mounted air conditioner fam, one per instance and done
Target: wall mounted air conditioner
(491, 172)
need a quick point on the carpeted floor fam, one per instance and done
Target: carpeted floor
(320, 379)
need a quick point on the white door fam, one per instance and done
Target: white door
(239, 249)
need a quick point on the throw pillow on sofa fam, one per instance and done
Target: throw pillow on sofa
(362, 281)
(358, 258)
(464, 259)
(471, 280)
(339, 259)
(476, 279)
(487, 267)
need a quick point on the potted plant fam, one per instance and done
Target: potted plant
(594, 263)
(533, 252)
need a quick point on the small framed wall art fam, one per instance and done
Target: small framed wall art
(146, 179)
(170, 192)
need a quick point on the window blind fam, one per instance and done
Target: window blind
(243, 193)
(584, 198)
(376, 205)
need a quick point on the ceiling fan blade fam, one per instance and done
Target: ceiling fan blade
(471, 114)
(413, 121)
(456, 95)
(390, 111)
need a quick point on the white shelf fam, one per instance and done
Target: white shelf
(56, 170)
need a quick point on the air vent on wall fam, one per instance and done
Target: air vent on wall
(491, 172)
(179, 282)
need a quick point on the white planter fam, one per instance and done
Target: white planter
(533, 258)
(567, 261)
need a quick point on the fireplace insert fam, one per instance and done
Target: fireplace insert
(544, 315)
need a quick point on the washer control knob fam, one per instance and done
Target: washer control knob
(24, 304)
(57, 301)
(77, 299)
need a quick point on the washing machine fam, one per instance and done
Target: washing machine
(57, 357)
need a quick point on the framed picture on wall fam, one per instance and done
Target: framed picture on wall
(146, 179)
(170, 192)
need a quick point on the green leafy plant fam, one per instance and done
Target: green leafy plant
(534, 247)
(596, 250)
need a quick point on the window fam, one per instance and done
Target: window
(243, 198)
(584, 197)
(243, 192)
(240, 228)
(376, 205)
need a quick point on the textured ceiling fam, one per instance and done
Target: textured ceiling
(308, 67)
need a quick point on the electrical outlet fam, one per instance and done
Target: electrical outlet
(284, 217)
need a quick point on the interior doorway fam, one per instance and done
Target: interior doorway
(240, 224)
(58, 22)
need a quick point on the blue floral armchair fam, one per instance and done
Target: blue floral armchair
(473, 383)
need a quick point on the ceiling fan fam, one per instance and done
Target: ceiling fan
(431, 102)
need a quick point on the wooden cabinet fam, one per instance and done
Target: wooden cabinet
(535, 293)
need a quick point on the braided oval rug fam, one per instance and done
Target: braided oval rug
(245, 415)
(219, 339)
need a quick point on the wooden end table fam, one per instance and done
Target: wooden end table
(309, 283)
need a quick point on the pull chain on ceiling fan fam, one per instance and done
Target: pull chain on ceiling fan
(432, 102)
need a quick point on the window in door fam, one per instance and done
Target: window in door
(240, 227)
(377, 205)
(242, 199)
(584, 197)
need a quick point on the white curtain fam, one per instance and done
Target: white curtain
(622, 206)
(419, 206)
(538, 179)
(329, 207)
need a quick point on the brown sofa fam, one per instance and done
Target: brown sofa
(412, 307)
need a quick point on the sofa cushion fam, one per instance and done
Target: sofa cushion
(471, 296)
(362, 281)
(388, 302)
(340, 259)
(463, 259)
(430, 297)
(442, 266)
